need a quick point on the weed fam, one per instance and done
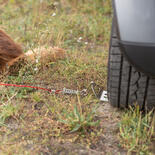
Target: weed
(37, 97)
(80, 121)
(7, 110)
(137, 131)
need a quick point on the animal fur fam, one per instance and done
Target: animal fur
(11, 53)
(45, 55)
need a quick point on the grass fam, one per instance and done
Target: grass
(31, 119)
(80, 121)
(137, 131)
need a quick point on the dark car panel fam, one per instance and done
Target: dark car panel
(136, 20)
(136, 27)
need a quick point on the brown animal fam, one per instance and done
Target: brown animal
(9, 51)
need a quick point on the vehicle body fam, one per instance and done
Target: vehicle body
(131, 67)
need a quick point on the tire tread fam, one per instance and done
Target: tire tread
(127, 86)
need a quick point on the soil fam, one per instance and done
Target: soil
(108, 144)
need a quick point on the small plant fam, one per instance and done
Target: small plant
(37, 97)
(78, 121)
(6, 111)
(137, 131)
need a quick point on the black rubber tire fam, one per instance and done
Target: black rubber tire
(126, 85)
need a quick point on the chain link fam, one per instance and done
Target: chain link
(102, 96)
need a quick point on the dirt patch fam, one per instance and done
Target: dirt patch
(108, 143)
(110, 118)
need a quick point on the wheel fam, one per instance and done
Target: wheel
(127, 86)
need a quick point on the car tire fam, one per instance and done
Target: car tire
(127, 86)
